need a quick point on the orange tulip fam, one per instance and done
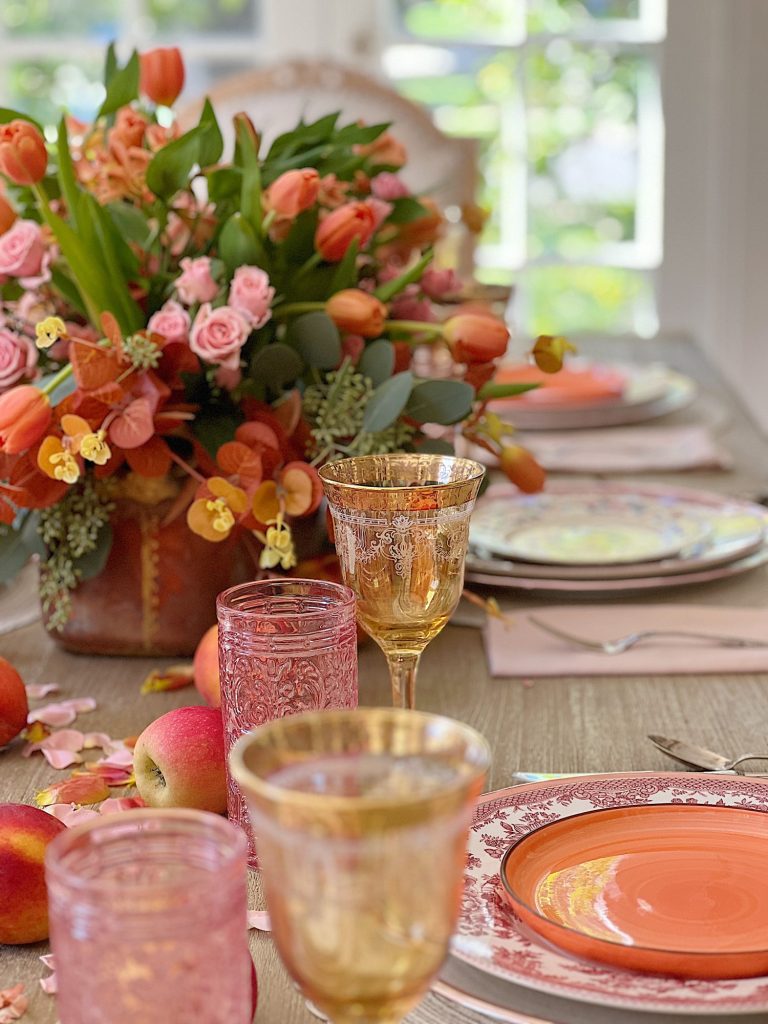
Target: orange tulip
(336, 232)
(7, 215)
(162, 74)
(293, 192)
(385, 151)
(522, 469)
(475, 338)
(357, 312)
(25, 413)
(23, 156)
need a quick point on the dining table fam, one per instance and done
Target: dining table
(565, 724)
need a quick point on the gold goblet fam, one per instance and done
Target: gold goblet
(401, 524)
(361, 822)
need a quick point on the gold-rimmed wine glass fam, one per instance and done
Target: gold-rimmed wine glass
(361, 822)
(401, 525)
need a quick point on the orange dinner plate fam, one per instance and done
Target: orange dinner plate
(574, 385)
(676, 889)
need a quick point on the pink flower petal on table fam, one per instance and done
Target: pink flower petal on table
(121, 803)
(62, 713)
(117, 776)
(13, 1003)
(61, 758)
(80, 789)
(71, 814)
(37, 690)
(259, 919)
(97, 739)
(49, 984)
(120, 757)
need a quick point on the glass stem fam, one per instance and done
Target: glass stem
(402, 672)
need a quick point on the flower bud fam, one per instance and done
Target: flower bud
(23, 156)
(522, 469)
(476, 338)
(162, 75)
(336, 231)
(549, 352)
(357, 312)
(7, 215)
(293, 192)
(25, 413)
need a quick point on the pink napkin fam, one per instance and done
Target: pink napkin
(627, 449)
(518, 648)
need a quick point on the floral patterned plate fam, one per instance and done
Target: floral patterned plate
(491, 939)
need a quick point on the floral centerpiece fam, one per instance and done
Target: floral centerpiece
(183, 330)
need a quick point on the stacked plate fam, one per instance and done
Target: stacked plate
(612, 537)
(590, 869)
(595, 395)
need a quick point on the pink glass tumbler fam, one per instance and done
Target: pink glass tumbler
(148, 920)
(285, 646)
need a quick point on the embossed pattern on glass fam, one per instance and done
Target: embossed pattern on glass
(148, 920)
(285, 646)
(362, 821)
(401, 525)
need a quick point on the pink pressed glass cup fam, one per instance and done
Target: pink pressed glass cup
(148, 920)
(285, 646)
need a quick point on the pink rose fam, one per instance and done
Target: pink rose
(228, 378)
(18, 359)
(409, 307)
(196, 284)
(172, 321)
(380, 210)
(388, 186)
(23, 254)
(251, 294)
(218, 335)
(437, 283)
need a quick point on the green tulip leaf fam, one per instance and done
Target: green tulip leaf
(377, 361)
(123, 87)
(389, 289)
(6, 115)
(238, 244)
(491, 390)
(211, 144)
(406, 209)
(171, 166)
(387, 402)
(440, 401)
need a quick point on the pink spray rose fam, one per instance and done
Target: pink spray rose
(218, 335)
(172, 321)
(381, 211)
(252, 295)
(18, 359)
(196, 284)
(439, 282)
(23, 254)
(388, 186)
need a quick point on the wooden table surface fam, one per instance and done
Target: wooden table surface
(565, 724)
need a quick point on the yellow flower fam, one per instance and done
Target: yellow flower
(95, 448)
(278, 546)
(549, 352)
(213, 518)
(48, 331)
(58, 462)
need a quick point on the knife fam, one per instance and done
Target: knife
(690, 755)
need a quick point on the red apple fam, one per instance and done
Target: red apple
(24, 834)
(14, 707)
(178, 760)
(206, 667)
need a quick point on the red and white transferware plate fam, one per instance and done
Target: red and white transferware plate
(491, 938)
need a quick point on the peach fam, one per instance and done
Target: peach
(14, 707)
(178, 760)
(24, 834)
(205, 667)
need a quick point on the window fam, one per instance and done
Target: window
(563, 97)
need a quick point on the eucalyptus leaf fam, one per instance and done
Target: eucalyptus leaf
(30, 535)
(435, 446)
(316, 337)
(92, 562)
(377, 361)
(276, 365)
(13, 553)
(123, 87)
(440, 401)
(387, 402)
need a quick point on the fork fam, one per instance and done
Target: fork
(624, 643)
